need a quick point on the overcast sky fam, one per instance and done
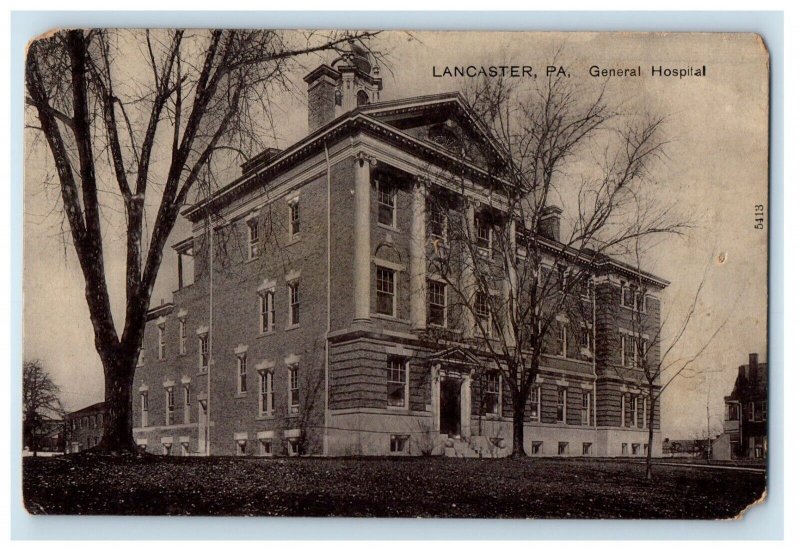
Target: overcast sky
(716, 170)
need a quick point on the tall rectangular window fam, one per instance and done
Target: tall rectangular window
(628, 351)
(437, 221)
(162, 343)
(561, 339)
(294, 389)
(397, 381)
(252, 241)
(267, 311)
(204, 352)
(493, 393)
(294, 218)
(242, 373)
(170, 406)
(561, 405)
(437, 303)
(483, 232)
(586, 410)
(187, 405)
(628, 296)
(483, 314)
(386, 203)
(536, 402)
(266, 402)
(182, 337)
(294, 302)
(385, 288)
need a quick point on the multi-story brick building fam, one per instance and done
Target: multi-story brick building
(84, 428)
(745, 426)
(304, 331)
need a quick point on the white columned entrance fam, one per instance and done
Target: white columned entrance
(361, 237)
(417, 257)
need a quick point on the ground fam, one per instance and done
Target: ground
(381, 487)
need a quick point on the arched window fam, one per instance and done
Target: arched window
(362, 98)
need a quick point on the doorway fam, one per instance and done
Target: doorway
(450, 406)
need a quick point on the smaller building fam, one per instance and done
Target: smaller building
(84, 428)
(745, 428)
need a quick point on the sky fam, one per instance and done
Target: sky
(715, 172)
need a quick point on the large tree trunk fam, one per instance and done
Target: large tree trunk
(118, 418)
(518, 429)
(650, 422)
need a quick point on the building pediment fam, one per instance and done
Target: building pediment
(454, 356)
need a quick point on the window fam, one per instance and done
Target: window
(623, 407)
(162, 344)
(294, 389)
(586, 410)
(585, 287)
(536, 402)
(294, 303)
(252, 232)
(437, 221)
(241, 447)
(385, 286)
(733, 412)
(187, 406)
(185, 449)
(241, 380)
(627, 297)
(483, 315)
(561, 340)
(397, 381)
(493, 393)
(561, 405)
(520, 237)
(266, 448)
(536, 447)
(764, 411)
(586, 341)
(633, 297)
(266, 402)
(624, 450)
(267, 311)
(398, 443)
(587, 448)
(437, 303)
(170, 406)
(293, 446)
(386, 200)
(167, 449)
(751, 411)
(563, 448)
(182, 337)
(759, 411)
(635, 449)
(627, 351)
(203, 352)
(362, 98)
(483, 232)
(294, 218)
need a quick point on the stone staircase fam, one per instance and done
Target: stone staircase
(473, 446)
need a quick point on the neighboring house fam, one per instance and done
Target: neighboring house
(49, 436)
(84, 428)
(317, 349)
(745, 428)
(683, 448)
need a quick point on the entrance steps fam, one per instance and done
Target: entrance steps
(472, 446)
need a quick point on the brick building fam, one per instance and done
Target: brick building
(84, 428)
(745, 426)
(304, 332)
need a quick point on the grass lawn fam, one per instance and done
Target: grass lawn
(382, 487)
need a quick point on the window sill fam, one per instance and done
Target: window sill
(296, 238)
(292, 327)
(387, 317)
(241, 395)
(397, 408)
(252, 259)
(388, 228)
(265, 334)
(265, 416)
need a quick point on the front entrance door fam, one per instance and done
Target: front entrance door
(450, 406)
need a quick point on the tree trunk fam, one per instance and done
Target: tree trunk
(518, 428)
(118, 417)
(650, 422)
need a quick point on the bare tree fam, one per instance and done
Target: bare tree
(658, 358)
(136, 141)
(40, 401)
(512, 271)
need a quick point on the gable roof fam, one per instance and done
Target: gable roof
(454, 356)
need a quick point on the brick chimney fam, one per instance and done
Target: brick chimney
(753, 365)
(550, 222)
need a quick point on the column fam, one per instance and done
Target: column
(468, 280)
(435, 397)
(417, 267)
(361, 238)
(466, 404)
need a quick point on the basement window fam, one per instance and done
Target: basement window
(563, 448)
(536, 447)
(398, 443)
